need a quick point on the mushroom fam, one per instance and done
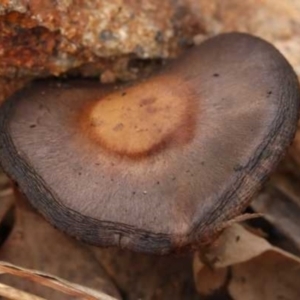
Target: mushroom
(160, 165)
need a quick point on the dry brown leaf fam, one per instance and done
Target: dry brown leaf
(34, 244)
(279, 201)
(54, 282)
(282, 212)
(272, 275)
(11, 293)
(258, 270)
(208, 279)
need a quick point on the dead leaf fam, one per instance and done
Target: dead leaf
(54, 282)
(279, 201)
(34, 244)
(271, 275)
(208, 279)
(11, 293)
(257, 270)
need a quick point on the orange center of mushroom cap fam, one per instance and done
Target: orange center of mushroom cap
(144, 118)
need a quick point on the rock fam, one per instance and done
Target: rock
(41, 38)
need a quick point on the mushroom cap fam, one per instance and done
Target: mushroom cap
(160, 165)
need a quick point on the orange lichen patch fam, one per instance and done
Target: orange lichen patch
(29, 48)
(128, 123)
(91, 36)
